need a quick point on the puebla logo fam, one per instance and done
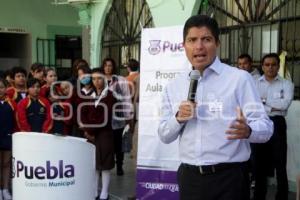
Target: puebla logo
(154, 47)
(47, 171)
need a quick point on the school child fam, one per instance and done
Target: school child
(60, 112)
(7, 128)
(17, 92)
(119, 86)
(33, 112)
(84, 78)
(99, 115)
(81, 92)
(8, 78)
(50, 77)
(37, 71)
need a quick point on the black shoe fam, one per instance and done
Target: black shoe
(120, 171)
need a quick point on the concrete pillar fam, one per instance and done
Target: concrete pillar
(98, 14)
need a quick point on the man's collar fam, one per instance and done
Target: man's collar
(263, 78)
(215, 66)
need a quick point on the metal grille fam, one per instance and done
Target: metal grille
(45, 52)
(122, 29)
(258, 27)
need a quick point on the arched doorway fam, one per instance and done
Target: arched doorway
(122, 30)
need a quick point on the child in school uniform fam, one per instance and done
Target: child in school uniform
(7, 128)
(17, 92)
(33, 112)
(99, 114)
(37, 71)
(50, 78)
(60, 111)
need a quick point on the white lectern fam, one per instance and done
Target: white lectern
(49, 167)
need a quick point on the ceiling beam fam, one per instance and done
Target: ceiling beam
(283, 3)
(225, 12)
(242, 10)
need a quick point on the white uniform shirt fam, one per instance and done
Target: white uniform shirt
(276, 94)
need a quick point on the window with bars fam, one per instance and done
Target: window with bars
(122, 30)
(258, 27)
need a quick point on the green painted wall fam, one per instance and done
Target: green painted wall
(40, 18)
(172, 12)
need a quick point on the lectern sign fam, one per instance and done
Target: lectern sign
(52, 167)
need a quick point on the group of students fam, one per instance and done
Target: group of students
(93, 103)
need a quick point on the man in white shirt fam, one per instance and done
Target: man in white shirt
(276, 94)
(215, 131)
(245, 63)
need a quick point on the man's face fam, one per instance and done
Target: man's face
(245, 64)
(20, 79)
(270, 67)
(200, 47)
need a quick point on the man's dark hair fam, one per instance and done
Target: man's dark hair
(16, 70)
(114, 70)
(133, 65)
(32, 81)
(271, 55)
(245, 55)
(202, 21)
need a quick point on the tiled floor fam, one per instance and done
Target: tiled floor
(123, 186)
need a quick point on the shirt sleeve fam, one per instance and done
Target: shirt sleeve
(22, 117)
(286, 98)
(253, 109)
(123, 94)
(169, 128)
(48, 123)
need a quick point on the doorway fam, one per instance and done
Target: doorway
(15, 50)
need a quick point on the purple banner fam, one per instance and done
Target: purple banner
(156, 185)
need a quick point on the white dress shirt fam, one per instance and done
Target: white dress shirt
(255, 74)
(202, 140)
(277, 94)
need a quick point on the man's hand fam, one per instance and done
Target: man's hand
(239, 129)
(186, 111)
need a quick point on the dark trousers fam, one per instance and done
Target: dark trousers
(118, 146)
(269, 156)
(226, 184)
